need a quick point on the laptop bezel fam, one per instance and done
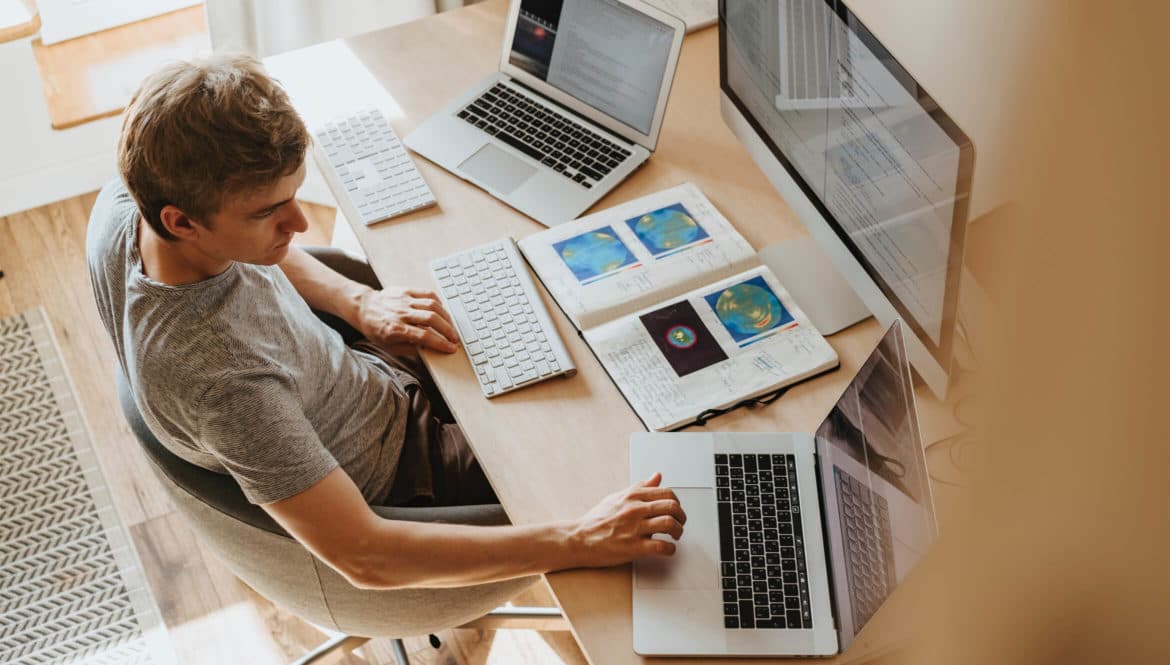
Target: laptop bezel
(649, 140)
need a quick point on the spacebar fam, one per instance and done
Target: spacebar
(515, 143)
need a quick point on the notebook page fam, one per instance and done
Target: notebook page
(738, 338)
(619, 260)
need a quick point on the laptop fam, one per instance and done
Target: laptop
(793, 541)
(576, 105)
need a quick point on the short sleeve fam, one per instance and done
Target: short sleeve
(254, 424)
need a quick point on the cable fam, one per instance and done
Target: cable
(956, 443)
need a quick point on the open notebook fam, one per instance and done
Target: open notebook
(677, 307)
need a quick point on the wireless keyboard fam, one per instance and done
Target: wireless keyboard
(366, 160)
(506, 330)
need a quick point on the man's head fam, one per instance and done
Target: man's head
(213, 152)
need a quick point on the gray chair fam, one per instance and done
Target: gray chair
(262, 554)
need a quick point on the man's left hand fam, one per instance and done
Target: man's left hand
(394, 317)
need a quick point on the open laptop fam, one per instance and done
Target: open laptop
(576, 105)
(793, 541)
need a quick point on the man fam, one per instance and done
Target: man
(211, 313)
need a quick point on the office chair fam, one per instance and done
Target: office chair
(262, 554)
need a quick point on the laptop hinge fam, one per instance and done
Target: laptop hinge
(825, 537)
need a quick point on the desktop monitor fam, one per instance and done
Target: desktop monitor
(876, 171)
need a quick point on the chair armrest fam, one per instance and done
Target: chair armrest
(491, 514)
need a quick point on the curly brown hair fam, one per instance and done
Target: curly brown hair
(195, 132)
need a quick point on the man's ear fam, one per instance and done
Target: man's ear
(179, 224)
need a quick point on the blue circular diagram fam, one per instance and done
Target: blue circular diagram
(747, 309)
(594, 253)
(666, 229)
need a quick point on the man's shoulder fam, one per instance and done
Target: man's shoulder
(109, 222)
(186, 368)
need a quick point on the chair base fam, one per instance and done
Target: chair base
(332, 650)
(502, 618)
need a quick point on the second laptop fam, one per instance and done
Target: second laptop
(576, 105)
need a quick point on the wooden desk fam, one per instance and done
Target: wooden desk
(551, 451)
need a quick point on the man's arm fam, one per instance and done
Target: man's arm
(388, 317)
(333, 521)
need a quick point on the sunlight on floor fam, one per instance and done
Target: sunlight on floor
(216, 638)
(520, 646)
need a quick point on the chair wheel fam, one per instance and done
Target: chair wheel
(434, 641)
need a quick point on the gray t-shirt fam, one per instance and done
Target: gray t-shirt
(236, 374)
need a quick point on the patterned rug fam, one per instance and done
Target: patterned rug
(71, 587)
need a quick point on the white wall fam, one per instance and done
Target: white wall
(38, 164)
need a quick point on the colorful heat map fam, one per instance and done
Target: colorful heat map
(749, 309)
(667, 229)
(681, 337)
(594, 254)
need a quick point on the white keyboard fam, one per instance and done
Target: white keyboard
(371, 166)
(506, 330)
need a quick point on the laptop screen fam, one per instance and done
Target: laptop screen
(879, 517)
(602, 52)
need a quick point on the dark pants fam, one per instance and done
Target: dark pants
(437, 466)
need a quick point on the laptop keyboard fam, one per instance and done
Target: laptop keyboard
(566, 147)
(765, 581)
(869, 551)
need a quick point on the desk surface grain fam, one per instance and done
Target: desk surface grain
(553, 450)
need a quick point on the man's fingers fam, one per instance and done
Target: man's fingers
(663, 524)
(652, 481)
(653, 493)
(664, 507)
(427, 337)
(420, 293)
(658, 547)
(433, 305)
(425, 318)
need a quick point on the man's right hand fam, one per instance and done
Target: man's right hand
(619, 529)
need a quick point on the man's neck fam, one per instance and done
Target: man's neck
(175, 263)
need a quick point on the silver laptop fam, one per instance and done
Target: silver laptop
(575, 107)
(793, 541)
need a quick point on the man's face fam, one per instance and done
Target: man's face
(256, 226)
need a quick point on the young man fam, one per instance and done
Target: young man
(210, 312)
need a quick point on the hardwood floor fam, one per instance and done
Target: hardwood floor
(211, 617)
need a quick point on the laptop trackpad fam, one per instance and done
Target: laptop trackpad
(496, 169)
(695, 564)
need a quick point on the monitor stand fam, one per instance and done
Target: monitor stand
(808, 274)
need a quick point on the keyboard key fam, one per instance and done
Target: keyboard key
(591, 173)
(773, 580)
(519, 145)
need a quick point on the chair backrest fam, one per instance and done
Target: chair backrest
(264, 556)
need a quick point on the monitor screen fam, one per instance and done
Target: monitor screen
(602, 52)
(883, 164)
(878, 513)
